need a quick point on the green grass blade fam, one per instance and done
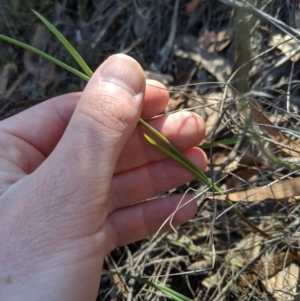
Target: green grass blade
(160, 287)
(180, 156)
(228, 141)
(198, 173)
(67, 44)
(44, 55)
(189, 247)
(194, 171)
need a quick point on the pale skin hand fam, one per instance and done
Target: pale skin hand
(72, 171)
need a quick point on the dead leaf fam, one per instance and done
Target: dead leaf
(278, 191)
(173, 104)
(191, 6)
(285, 144)
(4, 75)
(245, 250)
(188, 47)
(46, 72)
(117, 279)
(201, 265)
(212, 281)
(211, 41)
(218, 159)
(286, 45)
(283, 285)
(242, 177)
(207, 38)
(266, 268)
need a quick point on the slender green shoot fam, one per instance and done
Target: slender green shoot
(198, 173)
(194, 170)
(190, 247)
(168, 292)
(228, 141)
(45, 55)
(67, 44)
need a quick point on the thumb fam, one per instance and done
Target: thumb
(106, 116)
(83, 163)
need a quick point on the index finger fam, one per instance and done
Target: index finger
(43, 125)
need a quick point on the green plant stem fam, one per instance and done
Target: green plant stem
(198, 173)
(164, 289)
(67, 44)
(228, 141)
(45, 55)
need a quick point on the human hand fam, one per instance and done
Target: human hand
(73, 173)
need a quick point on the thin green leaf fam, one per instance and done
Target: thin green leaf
(198, 173)
(194, 171)
(44, 55)
(188, 246)
(67, 44)
(164, 289)
(168, 143)
(228, 141)
(178, 153)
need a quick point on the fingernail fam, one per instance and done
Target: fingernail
(124, 71)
